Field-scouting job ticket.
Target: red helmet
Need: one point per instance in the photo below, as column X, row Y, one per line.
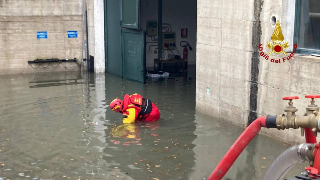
column 116, row 105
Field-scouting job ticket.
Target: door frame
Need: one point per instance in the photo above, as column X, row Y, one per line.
column 106, row 39
column 105, row 35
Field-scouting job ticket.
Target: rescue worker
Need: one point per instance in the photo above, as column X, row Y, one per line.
column 135, row 108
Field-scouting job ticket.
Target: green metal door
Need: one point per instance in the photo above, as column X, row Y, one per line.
column 133, row 42
column 113, row 37
column 133, row 50
column 125, row 44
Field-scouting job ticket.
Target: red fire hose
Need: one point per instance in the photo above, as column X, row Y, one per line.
column 251, row 131
column 310, row 138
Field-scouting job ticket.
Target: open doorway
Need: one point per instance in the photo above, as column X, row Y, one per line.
column 179, row 30
column 137, row 46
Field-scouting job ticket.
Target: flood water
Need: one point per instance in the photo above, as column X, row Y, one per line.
column 59, row 126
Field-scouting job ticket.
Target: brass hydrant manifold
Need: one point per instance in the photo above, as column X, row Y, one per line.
column 291, row 120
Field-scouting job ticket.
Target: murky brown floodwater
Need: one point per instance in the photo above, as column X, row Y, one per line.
column 59, row 126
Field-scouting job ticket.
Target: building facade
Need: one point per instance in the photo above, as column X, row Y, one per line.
column 234, row 82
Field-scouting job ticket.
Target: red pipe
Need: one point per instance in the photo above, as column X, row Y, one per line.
column 236, row 149
column 310, row 138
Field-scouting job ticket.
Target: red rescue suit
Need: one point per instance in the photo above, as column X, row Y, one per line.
column 136, row 108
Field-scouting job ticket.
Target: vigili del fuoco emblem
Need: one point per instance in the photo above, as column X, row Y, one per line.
column 277, row 46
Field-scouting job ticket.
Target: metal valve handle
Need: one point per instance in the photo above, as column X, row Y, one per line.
column 313, row 96
column 290, row 97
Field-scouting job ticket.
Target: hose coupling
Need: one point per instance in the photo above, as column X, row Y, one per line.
column 305, row 151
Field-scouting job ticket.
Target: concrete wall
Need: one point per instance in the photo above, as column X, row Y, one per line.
column 223, row 58
column 95, row 12
column 19, row 22
column 91, row 35
column 242, row 84
column 178, row 13
column 100, row 60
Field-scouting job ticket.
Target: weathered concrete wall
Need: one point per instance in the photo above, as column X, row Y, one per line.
column 19, row 22
column 224, row 53
column 91, row 37
column 298, row 76
column 242, row 84
column 100, row 61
